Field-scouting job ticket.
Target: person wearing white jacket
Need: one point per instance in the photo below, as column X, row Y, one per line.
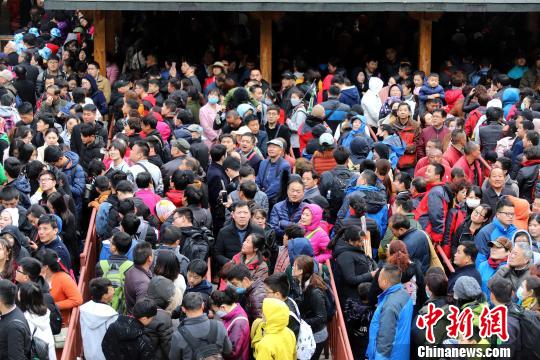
column 371, row 102
column 96, row 316
column 37, row 315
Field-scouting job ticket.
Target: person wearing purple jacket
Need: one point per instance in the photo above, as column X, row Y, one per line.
column 226, row 308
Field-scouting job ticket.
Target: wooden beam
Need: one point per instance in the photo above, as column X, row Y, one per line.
column 424, row 46
column 100, row 47
column 266, row 47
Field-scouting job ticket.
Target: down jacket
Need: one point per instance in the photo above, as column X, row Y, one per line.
column 317, row 236
column 126, row 339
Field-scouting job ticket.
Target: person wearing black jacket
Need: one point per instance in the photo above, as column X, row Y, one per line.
column 14, row 330
column 29, row 269
column 198, row 148
column 527, row 176
column 25, row 88
column 89, row 116
column 93, row 146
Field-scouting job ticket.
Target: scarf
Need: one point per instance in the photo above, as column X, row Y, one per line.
column 494, row 264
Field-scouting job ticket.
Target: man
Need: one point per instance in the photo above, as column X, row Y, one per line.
column 120, row 245
column 198, row 332
column 335, row 111
column 14, row 330
column 499, row 250
column 89, row 116
column 416, row 240
column 17, row 181
column 389, row 331
column 127, row 337
column 271, row 171
column 231, row 237
column 437, row 130
column 32, row 71
column 93, row 146
column 506, row 165
column 348, row 93
column 139, row 156
column 402, row 205
column 432, row 210
column 502, row 225
column 195, row 241
column 217, row 185
column 138, row 277
column 517, row 269
column 96, row 317
column 252, row 122
column 154, row 91
column 470, row 163
column 424, row 161
column 188, row 69
column 233, row 122
column 288, row 82
column 256, row 75
column 247, row 175
column 179, row 151
column 464, row 259
column 435, row 156
column 102, row 82
column 49, row 239
column 170, row 240
column 277, row 286
column 240, row 279
column 274, row 129
column 496, row 188
column 527, row 176
column 491, row 131
column 247, row 150
column 68, row 163
column 53, row 104
column 335, row 182
column 454, row 152
column 198, row 148
column 310, row 178
column 141, row 89
column 53, row 70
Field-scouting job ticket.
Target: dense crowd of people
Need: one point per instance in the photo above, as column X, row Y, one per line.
column 418, row 190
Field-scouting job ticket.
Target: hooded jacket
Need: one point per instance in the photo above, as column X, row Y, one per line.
column 96, row 95
column 349, row 96
column 418, row 247
column 527, row 179
column 237, row 325
column 76, row 178
column 95, row 320
column 352, row 269
column 451, row 97
column 375, row 201
column 19, row 238
column 489, row 233
column 126, row 339
column 532, row 244
column 94, row 150
column 371, row 102
column 317, row 236
column 23, row 187
column 272, row 339
column 432, row 210
column 510, row 96
column 283, row 214
column 42, row 328
column 335, row 110
column 360, row 147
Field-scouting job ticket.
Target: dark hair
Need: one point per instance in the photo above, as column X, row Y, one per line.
column 198, row 267
column 122, row 242
column 130, row 224
column 192, row 301
column 144, row 308
column 186, row 213
column 9, row 193
column 439, row 169
column 143, row 180
column 246, row 171
column 99, row 287
column 12, row 166
column 469, row 248
column 193, row 195
column 88, row 129
column 341, row 155
column 406, row 204
column 232, row 163
column 294, row 231
column 167, row 264
column 31, row 267
column 170, row 235
column 227, row 297
column 405, row 179
column 353, row 233
column 502, row 203
column 239, row 272
column 59, row 205
column 182, row 178
column 393, row 273
column 400, row 221
column 52, row 154
column 8, row 292
column 369, row 176
column 249, row 189
column 501, row 288
column 141, row 252
column 307, row 265
column 50, row 258
column 217, row 152
column 124, row 186
column 437, row 283
column 150, row 121
column 144, row 147
column 278, row 282
column 102, row 183
column 494, row 114
column 48, row 220
column 240, row 204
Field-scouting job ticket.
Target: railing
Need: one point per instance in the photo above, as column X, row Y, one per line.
column 338, row 338
column 73, row 346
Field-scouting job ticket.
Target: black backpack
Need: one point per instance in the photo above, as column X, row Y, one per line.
column 529, row 324
column 336, row 192
column 198, row 245
column 205, row 348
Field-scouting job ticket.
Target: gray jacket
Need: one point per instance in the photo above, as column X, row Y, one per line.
column 260, row 199
column 198, row 327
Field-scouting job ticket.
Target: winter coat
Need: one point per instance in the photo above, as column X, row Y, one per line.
column 335, row 111
column 95, row 319
column 75, row 178
column 527, row 179
column 510, row 96
column 427, row 90
column 269, row 177
column 352, row 268
column 76, row 141
column 312, row 305
column 237, row 325
column 489, row 135
column 135, row 285
column 96, row 95
column 349, row 96
column 146, row 166
column 160, row 331
column 371, row 226
column 207, row 115
column 390, row 328
column 14, row 336
column 253, row 300
column 489, row 233
column 452, row 155
column 474, row 173
column 95, row 150
column 411, row 135
column 430, row 133
column 451, row 97
column 228, row 242
column 467, row 270
column 295, row 122
column 486, row 273
column 376, row 204
column 516, row 277
column 418, row 247
column 432, row 210
column 272, row 339
column 283, row 214
column 490, row 197
column 317, row 236
column 200, row 151
column 150, row 198
column 65, row 293
column 42, row 327
column 371, row 101
column 217, row 181
column 126, row 339
column 257, row 267
column 360, row 147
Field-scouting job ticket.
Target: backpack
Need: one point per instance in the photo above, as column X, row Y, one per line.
column 55, row 319
column 198, row 245
column 336, row 192
column 529, row 324
column 205, row 348
column 305, row 343
column 39, row 349
column 117, row 275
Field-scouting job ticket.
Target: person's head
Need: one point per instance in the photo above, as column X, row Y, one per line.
column 193, row 195
column 193, row 304
column 530, row 288
column 418, row 185
column 275, row 148
column 500, row 248
column 481, row 214
column 402, row 182
column 521, row 255
column 530, row 141
column 120, row 243
column 534, row 226
column 310, row 178
column 253, row 244
column 217, row 153
column 183, row 217
column 247, row 190
column 222, row 302
column 433, row 80
column 47, row 228
column 101, row 290
column 367, row 177
column 8, row 294
column 293, row 231
column 304, row 271
column 241, row 214
column 341, row 155
column 117, row 150
column 226, row 140
column 439, row 117
column 180, row 179
column 124, row 190
column 140, row 151
column 434, row 173
column 167, row 265
column 465, row 254
column 277, row 286
column 400, row 224
column 436, row 283
column 9, row 197
column 497, row 179
column 231, row 165
column 29, row 269
column 196, row 272
column 143, row 254
column 505, row 212
column 239, row 278
column 295, row 190
column 500, row 290
column 259, row 217
column 144, row 311
column 389, row 276
column 272, row 114
column 89, row 113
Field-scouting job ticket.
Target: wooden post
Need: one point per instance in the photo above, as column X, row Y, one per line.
column 100, row 48
column 424, row 48
column 266, row 47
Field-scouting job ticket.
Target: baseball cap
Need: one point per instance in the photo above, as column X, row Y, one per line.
column 326, row 139
column 243, row 130
column 501, row 242
column 276, row 142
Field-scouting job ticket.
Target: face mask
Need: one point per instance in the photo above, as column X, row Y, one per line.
column 295, row 102
column 428, row 293
column 472, row 203
column 268, row 102
column 522, row 106
column 240, row 290
column 213, row 100
column 220, row 313
column 519, row 293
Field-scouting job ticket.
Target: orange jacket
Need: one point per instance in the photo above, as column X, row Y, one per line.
column 65, row 293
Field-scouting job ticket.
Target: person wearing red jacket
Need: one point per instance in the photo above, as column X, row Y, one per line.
column 432, row 210
column 455, row 149
column 435, row 156
column 470, row 163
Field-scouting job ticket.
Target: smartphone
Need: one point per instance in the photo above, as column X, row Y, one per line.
column 223, row 196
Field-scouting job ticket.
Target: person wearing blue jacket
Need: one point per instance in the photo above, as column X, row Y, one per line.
column 499, row 250
column 416, row 241
column 271, row 171
column 390, row 328
column 288, row 211
column 502, row 225
column 349, row 94
column 334, row 110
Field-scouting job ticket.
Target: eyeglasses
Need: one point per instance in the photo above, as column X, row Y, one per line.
column 45, row 180
column 477, row 212
column 21, row 272
column 507, row 214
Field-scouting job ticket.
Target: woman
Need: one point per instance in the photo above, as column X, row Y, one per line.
column 207, row 115
column 70, row 124
column 474, row 198
column 310, row 220
column 63, row 288
column 470, row 227
column 51, row 138
column 7, row 265
column 253, row 254
column 56, row 203
column 352, row 265
column 259, row 217
column 116, row 153
column 312, row 303
column 296, row 120
column 457, row 214
column 89, row 84
column 528, row 293
column 30, row 301
column 6, row 218
column 534, row 231
column 411, row 274
column 167, row 265
column 226, row 308
column 17, row 241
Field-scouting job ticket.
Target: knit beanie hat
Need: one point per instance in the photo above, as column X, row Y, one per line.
column 466, row 287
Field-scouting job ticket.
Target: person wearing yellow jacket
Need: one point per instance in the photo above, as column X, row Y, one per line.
column 270, row 336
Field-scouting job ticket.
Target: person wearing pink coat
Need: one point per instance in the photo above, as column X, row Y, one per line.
column 310, row 220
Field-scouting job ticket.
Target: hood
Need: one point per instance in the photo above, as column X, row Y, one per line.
column 96, row 315
column 342, row 247
column 509, row 97
column 73, row 159
column 299, row 246
column 400, row 90
column 42, row 322
column 396, row 144
column 203, row 287
column 360, row 146
column 317, row 213
column 93, row 83
column 176, row 196
column 520, row 233
column 17, row 234
column 276, row 313
column 22, row 184
column 375, row 84
column 375, row 197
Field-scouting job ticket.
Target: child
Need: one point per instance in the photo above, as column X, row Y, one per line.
column 103, row 188
column 357, row 319
column 431, row 90
column 291, row 232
